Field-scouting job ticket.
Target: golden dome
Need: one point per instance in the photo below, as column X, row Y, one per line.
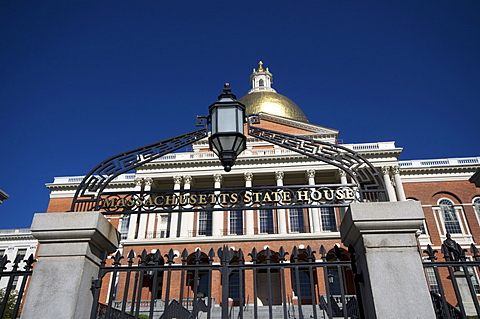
column 272, row 103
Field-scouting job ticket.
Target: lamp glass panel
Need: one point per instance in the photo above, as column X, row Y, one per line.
column 214, row 121
column 227, row 142
column 227, row 119
column 240, row 117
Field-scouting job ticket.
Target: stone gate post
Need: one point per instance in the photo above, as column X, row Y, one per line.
column 71, row 245
column 383, row 235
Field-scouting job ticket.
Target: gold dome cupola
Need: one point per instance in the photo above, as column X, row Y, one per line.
column 262, row 98
column 261, row 80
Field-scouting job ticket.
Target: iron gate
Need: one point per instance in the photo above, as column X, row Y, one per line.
column 227, row 284
column 454, row 283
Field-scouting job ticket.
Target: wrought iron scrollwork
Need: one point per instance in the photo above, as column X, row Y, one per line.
column 88, row 194
column 370, row 182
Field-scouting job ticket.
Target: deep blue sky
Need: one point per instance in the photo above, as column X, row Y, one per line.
column 81, row 81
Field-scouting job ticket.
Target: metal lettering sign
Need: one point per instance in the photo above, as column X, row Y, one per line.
column 230, row 199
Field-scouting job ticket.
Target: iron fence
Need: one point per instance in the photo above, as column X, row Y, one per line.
column 13, row 281
column 454, row 282
column 228, row 284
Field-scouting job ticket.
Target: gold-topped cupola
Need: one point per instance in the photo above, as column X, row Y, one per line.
column 261, row 79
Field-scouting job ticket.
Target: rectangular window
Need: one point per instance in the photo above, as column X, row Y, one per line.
column 266, row 221
column 236, row 222
column 329, row 223
column 432, row 280
column 205, row 223
column 125, row 225
column 297, row 221
column 21, row 254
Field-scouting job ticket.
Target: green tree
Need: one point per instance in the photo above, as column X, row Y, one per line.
column 12, row 299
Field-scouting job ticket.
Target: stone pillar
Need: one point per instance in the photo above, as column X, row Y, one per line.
column 187, row 217
column 132, row 229
column 71, row 246
column 398, row 183
column 388, row 183
column 177, row 181
column 282, row 220
column 383, row 235
column 217, row 216
column 249, row 222
column 313, row 213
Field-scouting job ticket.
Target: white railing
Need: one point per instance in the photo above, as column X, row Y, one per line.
column 15, row 231
column 78, row 179
column 441, row 162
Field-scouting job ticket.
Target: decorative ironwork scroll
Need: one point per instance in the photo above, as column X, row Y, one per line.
column 88, row 194
column 369, row 181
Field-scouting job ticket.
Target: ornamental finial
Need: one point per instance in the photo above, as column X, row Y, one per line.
column 260, row 67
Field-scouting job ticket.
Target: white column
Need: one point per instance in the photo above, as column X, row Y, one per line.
column 343, row 176
column 132, row 228
column 142, row 224
column 217, row 216
column 177, row 180
column 152, row 216
column 398, row 183
column 388, row 183
column 249, row 222
column 186, row 223
column 282, row 221
column 343, row 181
column 313, row 213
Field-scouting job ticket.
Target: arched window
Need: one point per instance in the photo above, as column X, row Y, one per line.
column 476, row 205
column 450, row 217
column 261, row 82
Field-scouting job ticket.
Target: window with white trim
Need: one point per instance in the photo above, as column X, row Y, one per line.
column 266, row 221
column 329, row 222
column 297, row 221
column 476, row 206
column 236, row 222
column 124, row 226
column 449, row 216
column 205, row 223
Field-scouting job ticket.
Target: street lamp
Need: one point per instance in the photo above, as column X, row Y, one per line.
column 227, row 117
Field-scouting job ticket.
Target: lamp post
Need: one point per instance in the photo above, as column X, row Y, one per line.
column 227, row 117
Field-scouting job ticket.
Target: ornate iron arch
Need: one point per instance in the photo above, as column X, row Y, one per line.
column 370, row 184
